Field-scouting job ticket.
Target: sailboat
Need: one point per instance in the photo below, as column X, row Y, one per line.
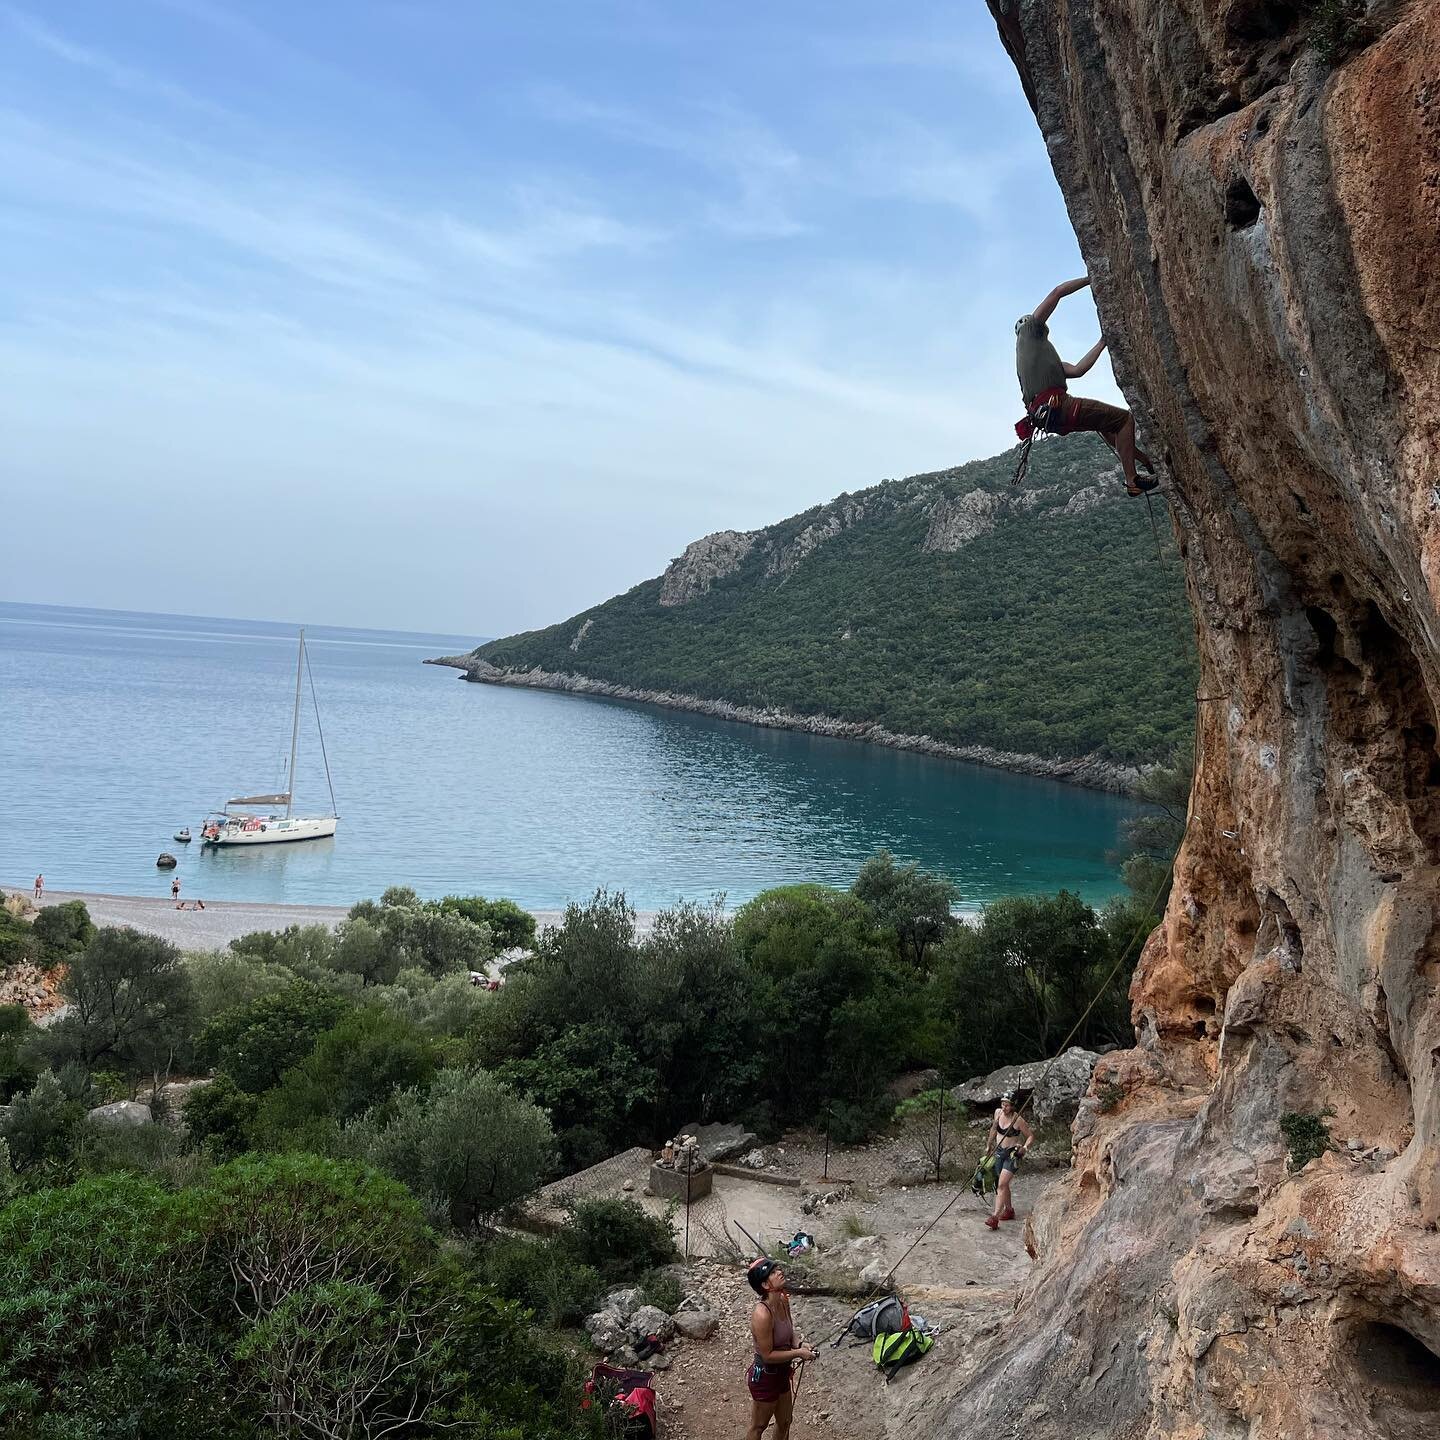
column 257, row 819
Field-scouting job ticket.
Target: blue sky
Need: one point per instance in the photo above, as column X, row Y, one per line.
column 465, row 316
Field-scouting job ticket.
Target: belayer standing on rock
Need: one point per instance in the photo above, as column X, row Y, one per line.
column 1049, row 405
column 1007, row 1149
column 776, row 1351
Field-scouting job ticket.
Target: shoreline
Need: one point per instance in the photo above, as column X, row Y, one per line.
column 1092, row 771
column 222, row 921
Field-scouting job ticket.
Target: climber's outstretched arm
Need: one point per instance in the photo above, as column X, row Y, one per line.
column 1046, row 308
column 1085, row 362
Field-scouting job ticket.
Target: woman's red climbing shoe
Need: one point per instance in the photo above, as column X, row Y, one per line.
column 1143, row 485
column 1008, row 1213
column 991, row 1222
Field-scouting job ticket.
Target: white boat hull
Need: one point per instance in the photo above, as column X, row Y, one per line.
column 276, row 830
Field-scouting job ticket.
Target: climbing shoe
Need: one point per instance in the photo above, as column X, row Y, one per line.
column 1143, row 485
column 1008, row 1213
column 991, row 1223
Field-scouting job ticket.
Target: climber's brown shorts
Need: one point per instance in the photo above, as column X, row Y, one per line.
column 1094, row 415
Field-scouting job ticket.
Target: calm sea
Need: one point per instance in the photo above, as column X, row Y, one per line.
column 116, row 729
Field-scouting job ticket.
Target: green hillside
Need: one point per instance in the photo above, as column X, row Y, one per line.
column 949, row 605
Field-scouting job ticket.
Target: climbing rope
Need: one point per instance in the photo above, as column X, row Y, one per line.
column 1144, row 928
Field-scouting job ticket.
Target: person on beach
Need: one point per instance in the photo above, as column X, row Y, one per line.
column 1007, row 1125
column 39, row 886
column 776, row 1351
column 175, row 891
column 1049, row 405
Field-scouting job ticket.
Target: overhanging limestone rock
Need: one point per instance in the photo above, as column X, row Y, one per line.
column 1260, row 229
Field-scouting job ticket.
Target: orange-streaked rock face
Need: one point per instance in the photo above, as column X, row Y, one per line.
column 1263, row 236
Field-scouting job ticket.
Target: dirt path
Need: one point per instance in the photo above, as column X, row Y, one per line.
column 963, row 1279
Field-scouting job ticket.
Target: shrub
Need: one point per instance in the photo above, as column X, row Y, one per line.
column 367, row 1056
column 543, row 1275
column 224, row 980
column 511, row 927
column 256, row 1043
column 468, row 1145
column 62, row 931
column 218, row 1117
column 617, row 1238
column 18, row 1069
column 1307, row 1136
column 40, row 1127
column 663, row 1290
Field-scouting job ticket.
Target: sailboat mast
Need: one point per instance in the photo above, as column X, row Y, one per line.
column 295, row 726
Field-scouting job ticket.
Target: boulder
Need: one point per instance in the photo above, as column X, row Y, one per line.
column 607, row 1331
column 719, row 1142
column 651, row 1320
column 875, row 1271
column 166, row 861
column 121, row 1114
column 695, row 1324
column 1058, row 1095
column 626, row 1301
column 986, row 1090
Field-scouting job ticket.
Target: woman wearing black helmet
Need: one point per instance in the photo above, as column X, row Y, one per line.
column 775, row 1351
column 1007, row 1125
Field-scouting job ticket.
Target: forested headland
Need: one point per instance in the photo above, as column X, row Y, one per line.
column 948, row 605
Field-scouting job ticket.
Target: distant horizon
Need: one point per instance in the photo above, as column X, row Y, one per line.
column 278, row 623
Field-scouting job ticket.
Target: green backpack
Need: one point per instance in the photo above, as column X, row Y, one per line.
column 890, row 1352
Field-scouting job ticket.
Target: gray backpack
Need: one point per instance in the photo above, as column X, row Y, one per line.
column 886, row 1316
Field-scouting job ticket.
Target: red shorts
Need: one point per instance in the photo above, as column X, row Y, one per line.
column 767, row 1386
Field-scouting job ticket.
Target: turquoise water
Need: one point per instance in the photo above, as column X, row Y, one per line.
column 116, row 729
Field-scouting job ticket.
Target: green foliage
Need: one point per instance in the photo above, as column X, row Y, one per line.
column 617, row 1239
column 912, row 904
column 1153, row 836
column 1336, row 27
column 218, row 1117
column 279, row 1295
column 542, row 1275
column 224, row 980
column 511, row 927
column 1307, row 1136
column 256, row 1043
column 131, row 1006
column 19, row 944
column 420, row 935
column 62, row 931
column 663, row 1290
column 40, row 1127
column 367, row 1056
column 18, row 1067
column 1024, row 639
column 467, row 1145
column 591, row 1083
column 833, row 1010
column 1011, row 986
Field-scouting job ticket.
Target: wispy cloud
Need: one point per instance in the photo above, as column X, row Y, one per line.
column 714, row 138
column 114, row 72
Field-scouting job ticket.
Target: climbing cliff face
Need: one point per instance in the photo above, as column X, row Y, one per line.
column 1256, row 188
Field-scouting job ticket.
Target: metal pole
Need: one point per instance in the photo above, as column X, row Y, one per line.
column 295, row 725
column 940, row 1136
column 825, row 1173
column 688, row 1183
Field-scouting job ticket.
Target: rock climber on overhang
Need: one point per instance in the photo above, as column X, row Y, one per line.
column 1052, row 409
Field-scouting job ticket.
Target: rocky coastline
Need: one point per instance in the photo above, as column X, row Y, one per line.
column 1093, row 771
